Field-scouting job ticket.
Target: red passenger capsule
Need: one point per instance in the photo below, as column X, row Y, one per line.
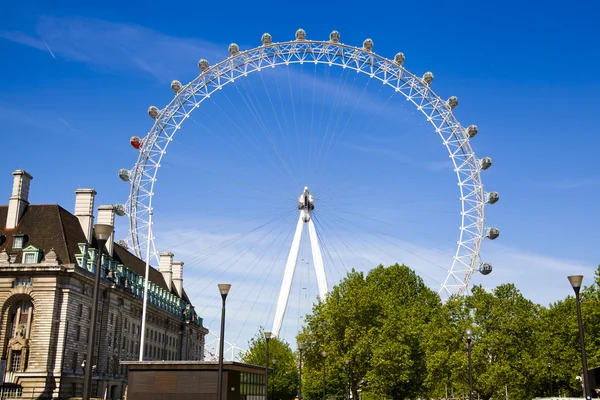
column 136, row 142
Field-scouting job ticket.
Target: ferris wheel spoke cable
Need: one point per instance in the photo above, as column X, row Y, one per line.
column 248, row 271
column 427, row 235
column 327, row 246
column 243, row 132
column 241, row 150
column 257, row 119
column 294, row 115
column 267, row 135
column 265, row 280
column 380, row 250
column 222, row 139
column 236, row 258
column 205, row 254
column 198, row 257
column 331, row 148
column 333, row 113
column 323, row 140
column 320, row 114
column 276, row 115
column 312, row 117
column 222, row 227
column 385, row 221
column 283, row 114
column 386, row 240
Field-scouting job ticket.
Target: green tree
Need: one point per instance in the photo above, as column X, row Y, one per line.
column 506, row 350
column 283, row 377
column 380, row 324
column 561, row 338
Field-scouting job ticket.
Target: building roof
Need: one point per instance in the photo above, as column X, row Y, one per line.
column 49, row 226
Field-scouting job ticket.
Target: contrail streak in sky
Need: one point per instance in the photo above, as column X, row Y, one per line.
column 48, row 47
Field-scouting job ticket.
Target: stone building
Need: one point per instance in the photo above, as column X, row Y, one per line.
column 47, row 263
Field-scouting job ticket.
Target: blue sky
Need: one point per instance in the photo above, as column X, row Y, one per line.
column 75, row 83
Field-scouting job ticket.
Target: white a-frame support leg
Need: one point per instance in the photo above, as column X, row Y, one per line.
column 306, row 206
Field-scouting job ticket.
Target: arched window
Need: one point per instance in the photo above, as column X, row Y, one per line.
column 20, row 321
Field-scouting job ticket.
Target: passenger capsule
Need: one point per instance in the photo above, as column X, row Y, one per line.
column 123, row 244
column 493, row 197
column 368, row 45
column 153, row 112
column 472, row 131
column 120, row 209
column 300, row 34
column 203, row 65
column 266, row 39
column 124, row 174
column 428, row 78
column 399, row 58
column 485, row 163
column 334, row 37
column 485, row 269
column 136, row 142
column 176, row 86
column 492, row 233
column 233, row 49
column 452, row 102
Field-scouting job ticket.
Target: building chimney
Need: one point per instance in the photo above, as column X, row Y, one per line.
column 19, row 200
column 178, row 277
column 106, row 215
column 165, row 267
column 84, row 211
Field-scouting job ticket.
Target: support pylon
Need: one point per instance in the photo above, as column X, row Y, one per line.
column 306, row 205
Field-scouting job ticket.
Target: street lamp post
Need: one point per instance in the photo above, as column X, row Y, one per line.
column 267, row 337
column 324, row 354
column 102, row 233
column 300, row 373
column 469, row 338
column 576, row 281
column 224, row 289
column 347, row 362
column 550, row 376
column 273, row 396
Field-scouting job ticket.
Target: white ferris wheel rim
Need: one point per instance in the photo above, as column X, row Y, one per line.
column 437, row 111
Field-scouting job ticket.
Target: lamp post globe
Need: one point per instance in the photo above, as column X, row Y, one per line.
column 576, row 281
column 224, row 290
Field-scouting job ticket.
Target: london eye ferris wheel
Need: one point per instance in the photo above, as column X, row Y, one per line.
column 305, row 112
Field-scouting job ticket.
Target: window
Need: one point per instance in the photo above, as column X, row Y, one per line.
column 77, row 333
column 12, row 258
column 30, row 258
column 74, row 362
column 11, row 391
column 15, row 364
column 79, row 310
column 18, row 242
column 22, row 282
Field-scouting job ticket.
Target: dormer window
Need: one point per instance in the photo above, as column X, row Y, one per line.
column 18, row 241
column 31, row 255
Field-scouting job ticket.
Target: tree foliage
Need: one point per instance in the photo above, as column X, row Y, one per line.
column 378, row 323
column 283, row 375
column 401, row 342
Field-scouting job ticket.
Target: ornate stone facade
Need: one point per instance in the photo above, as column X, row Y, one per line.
column 47, row 264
